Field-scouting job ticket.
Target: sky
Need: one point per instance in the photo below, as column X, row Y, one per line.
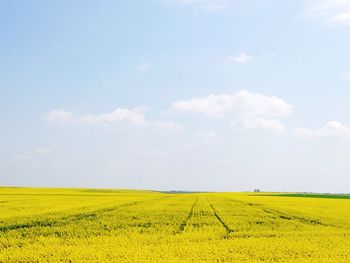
column 200, row 95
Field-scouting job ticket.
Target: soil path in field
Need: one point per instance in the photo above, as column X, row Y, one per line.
column 228, row 229
column 188, row 218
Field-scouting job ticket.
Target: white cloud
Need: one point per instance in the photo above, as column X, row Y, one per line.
column 42, row 151
column 60, row 116
column 119, row 115
column 33, row 156
column 208, row 5
column 330, row 129
column 248, row 110
column 166, row 126
column 152, row 155
column 240, row 58
column 213, row 105
column 143, row 67
column 226, row 162
column 241, row 103
column 21, row 157
column 208, row 137
column 117, row 118
column 259, row 123
column 335, row 12
column 342, row 18
column 346, row 76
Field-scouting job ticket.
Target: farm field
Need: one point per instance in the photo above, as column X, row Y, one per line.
column 91, row 225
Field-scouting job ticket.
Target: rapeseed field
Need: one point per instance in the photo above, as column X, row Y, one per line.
column 87, row 225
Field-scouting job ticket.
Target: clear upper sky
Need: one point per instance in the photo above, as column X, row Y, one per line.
column 176, row 94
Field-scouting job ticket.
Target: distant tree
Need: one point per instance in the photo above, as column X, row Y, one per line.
column 257, row 190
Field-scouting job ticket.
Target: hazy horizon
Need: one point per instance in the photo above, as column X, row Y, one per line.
column 192, row 95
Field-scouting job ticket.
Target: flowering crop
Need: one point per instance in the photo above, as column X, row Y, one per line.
column 86, row 225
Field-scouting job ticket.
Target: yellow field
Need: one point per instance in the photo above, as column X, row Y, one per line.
column 81, row 225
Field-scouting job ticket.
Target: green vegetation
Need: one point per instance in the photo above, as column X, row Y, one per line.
column 312, row 195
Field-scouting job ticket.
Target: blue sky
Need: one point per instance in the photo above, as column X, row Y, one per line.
column 219, row 95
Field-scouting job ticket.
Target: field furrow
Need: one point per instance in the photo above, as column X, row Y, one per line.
column 187, row 219
column 228, row 229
